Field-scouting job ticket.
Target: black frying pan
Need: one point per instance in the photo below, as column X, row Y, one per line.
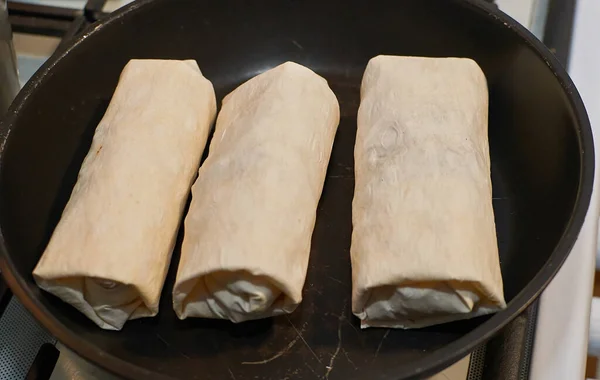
column 542, row 169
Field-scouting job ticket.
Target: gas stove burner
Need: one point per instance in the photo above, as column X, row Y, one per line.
column 28, row 348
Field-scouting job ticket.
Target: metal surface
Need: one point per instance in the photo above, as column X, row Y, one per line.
column 477, row 363
column 51, row 20
column 71, row 366
column 9, row 81
column 532, row 102
column 44, row 363
column 507, row 356
column 20, row 339
column 47, row 20
column 560, row 346
column 559, row 28
column 5, row 295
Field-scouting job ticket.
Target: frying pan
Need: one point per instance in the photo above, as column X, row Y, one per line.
column 542, row 169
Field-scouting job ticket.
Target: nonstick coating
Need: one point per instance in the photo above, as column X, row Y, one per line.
column 542, row 169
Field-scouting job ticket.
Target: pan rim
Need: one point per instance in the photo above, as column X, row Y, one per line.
column 427, row 366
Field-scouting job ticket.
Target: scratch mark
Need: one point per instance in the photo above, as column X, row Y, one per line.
column 280, row 353
column 297, row 45
column 232, row 375
column 169, row 345
column 346, row 176
column 500, row 198
column 381, row 343
column 338, row 348
column 351, row 325
column 163, row 340
column 336, row 280
column 288, row 374
column 348, row 358
column 311, row 370
column 184, row 355
column 341, row 319
column 315, row 289
column 303, row 340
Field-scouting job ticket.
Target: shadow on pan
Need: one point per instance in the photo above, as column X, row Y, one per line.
column 542, row 168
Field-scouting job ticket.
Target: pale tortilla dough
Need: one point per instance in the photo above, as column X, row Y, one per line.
column 424, row 247
column 110, row 252
column 248, row 232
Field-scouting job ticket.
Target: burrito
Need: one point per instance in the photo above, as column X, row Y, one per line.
column 424, row 247
column 248, row 231
column 110, row 252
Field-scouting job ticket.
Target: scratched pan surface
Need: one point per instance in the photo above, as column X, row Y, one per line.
column 542, row 165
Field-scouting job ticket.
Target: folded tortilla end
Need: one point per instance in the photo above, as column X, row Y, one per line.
column 424, row 304
column 234, row 295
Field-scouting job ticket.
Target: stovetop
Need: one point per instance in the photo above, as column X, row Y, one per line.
column 28, row 351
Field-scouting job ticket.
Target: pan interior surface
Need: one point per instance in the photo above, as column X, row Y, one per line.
column 536, row 169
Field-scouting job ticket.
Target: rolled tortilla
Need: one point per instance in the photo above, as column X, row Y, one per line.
column 248, row 231
column 111, row 249
column 424, row 247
